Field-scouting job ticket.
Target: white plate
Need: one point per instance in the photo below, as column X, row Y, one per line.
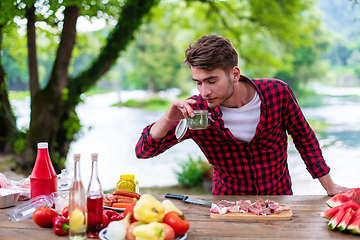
column 114, row 208
column 102, row 235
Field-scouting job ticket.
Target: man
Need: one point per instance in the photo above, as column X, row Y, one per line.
column 247, row 142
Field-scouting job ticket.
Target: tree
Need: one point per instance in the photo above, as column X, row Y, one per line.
column 252, row 25
column 53, row 114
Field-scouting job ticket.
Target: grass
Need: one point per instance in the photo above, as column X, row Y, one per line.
column 19, row 95
column 152, row 104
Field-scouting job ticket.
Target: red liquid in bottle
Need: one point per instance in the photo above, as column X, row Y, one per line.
column 43, row 179
column 94, row 215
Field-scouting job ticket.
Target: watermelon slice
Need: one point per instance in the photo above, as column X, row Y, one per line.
column 336, row 219
column 346, row 219
column 338, row 199
column 354, row 224
column 332, row 211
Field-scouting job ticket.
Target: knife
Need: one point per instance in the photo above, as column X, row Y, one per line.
column 186, row 199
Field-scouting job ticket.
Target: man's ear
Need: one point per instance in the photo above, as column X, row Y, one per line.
column 235, row 73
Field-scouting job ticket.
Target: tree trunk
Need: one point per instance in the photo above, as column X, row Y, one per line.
column 47, row 105
column 32, row 58
column 129, row 21
column 7, row 120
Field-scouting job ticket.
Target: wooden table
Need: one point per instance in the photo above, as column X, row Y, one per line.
column 306, row 222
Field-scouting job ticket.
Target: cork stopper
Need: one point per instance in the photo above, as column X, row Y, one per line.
column 77, row 157
column 94, row 157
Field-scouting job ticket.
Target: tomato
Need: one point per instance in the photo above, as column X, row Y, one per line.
column 128, row 209
column 129, row 231
column 65, row 212
column 178, row 222
column 106, row 220
column 169, row 232
column 43, row 216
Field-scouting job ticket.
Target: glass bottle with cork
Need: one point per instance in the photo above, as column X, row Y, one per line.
column 43, row 178
column 127, row 182
column 77, row 202
column 94, row 201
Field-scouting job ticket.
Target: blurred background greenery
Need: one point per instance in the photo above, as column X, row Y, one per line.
column 298, row 41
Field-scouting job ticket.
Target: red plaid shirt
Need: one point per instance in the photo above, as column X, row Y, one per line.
column 260, row 166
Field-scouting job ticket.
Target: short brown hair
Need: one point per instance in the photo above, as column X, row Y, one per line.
column 211, row 52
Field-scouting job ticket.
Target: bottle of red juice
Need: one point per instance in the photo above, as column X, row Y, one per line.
column 43, row 178
column 94, row 201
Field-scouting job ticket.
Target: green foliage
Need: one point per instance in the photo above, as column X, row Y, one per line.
column 18, row 95
column 152, row 104
column 192, row 172
column 72, row 125
column 19, row 141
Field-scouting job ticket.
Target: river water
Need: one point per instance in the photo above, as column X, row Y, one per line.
column 113, row 133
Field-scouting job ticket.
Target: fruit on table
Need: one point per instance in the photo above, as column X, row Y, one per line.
column 335, row 220
column 338, row 199
column 43, row 216
column 332, row 211
column 77, row 221
column 148, row 209
column 354, row 224
column 344, row 216
column 346, row 219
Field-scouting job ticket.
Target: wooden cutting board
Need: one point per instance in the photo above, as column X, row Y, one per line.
column 282, row 216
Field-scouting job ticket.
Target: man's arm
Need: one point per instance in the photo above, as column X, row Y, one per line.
column 177, row 111
column 330, row 187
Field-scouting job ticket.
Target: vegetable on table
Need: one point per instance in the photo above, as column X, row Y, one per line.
column 129, row 232
column 113, row 216
column 130, row 209
column 169, row 206
column 60, row 225
column 148, row 209
column 169, row 232
column 178, row 222
column 65, row 212
column 116, row 231
column 43, row 216
column 151, row 231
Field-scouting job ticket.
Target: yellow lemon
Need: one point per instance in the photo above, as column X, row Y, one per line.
column 76, row 221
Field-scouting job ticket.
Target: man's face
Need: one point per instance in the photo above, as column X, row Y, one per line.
column 215, row 86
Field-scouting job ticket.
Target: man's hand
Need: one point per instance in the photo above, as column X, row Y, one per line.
column 180, row 109
column 332, row 188
column 336, row 189
column 177, row 111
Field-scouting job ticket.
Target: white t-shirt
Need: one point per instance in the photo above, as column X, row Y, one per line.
column 242, row 122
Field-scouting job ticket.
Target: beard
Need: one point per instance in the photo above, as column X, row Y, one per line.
column 229, row 91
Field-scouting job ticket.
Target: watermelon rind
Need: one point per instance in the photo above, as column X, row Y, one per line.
column 346, row 219
column 354, row 224
column 328, row 214
column 341, row 198
column 336, row 219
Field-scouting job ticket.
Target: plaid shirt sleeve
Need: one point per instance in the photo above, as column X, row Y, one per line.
column 148, row 147
column 304, row 138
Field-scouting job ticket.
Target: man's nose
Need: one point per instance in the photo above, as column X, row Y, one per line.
column 205, row 90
